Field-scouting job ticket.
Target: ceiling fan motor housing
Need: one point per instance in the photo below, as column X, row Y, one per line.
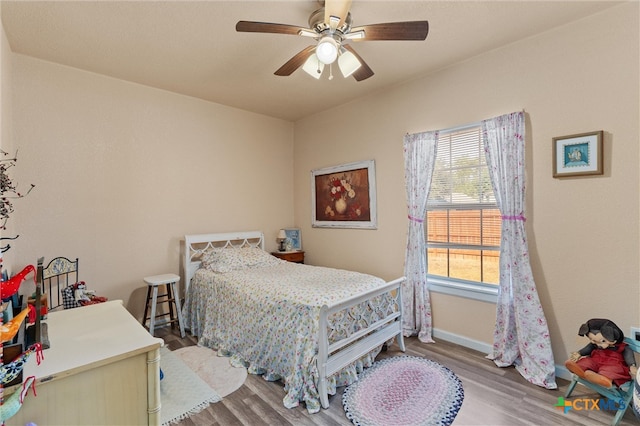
column 316, row 21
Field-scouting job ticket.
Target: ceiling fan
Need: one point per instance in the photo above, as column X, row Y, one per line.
column 331, row 27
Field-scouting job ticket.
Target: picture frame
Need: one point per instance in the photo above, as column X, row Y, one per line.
column 344, row 196
column 294, row 238
column 578, row 155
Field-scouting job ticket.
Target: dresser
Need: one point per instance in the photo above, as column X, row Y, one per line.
column 102, row 367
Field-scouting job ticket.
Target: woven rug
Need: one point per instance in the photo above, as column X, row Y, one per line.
column 404, row 390
column 182, row 392
column 214, row 370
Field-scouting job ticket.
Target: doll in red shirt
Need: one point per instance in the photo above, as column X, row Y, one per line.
column 606, row 359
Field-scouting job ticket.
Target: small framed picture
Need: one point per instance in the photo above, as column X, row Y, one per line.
column 577, row 155
column 294, row 239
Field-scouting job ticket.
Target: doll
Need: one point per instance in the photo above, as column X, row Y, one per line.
column 607, row 359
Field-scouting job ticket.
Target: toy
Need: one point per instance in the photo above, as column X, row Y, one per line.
column 606, row 360
column 10, row 287
column 12, row 405
column 8, row 372
column 11, row 328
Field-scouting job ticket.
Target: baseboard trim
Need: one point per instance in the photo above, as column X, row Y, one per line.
column 462, row 341
column 560, row 370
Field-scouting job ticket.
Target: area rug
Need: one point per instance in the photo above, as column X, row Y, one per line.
column 214, row 370
column 182, row 392
column 404, row 390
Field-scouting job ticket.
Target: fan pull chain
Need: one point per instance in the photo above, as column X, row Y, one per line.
column 330, row 71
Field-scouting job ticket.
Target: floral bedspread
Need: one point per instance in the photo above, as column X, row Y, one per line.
column 267, row 317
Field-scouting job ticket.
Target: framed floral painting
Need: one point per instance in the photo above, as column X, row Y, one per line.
column 344, row 196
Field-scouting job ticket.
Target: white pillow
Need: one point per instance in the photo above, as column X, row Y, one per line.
column 232, row 259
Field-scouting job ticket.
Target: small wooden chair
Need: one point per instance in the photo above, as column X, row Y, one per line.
column 58, row 274
column 621, row 395
column 636, row 396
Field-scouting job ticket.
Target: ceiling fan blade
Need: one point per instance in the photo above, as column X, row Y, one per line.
column 410, row 30
column 364, row 71
column 268, row 27
column 337, row 9
column 296, row 62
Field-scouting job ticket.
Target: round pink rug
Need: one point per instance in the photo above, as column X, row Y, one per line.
column 404, row 390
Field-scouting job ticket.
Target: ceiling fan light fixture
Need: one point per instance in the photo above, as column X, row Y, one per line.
column 313, row 67
column 348, row 63
column 327, row 50
column 330, row 27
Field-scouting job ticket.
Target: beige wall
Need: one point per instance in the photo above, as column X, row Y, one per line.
column 583, row 233
column 124, row 171
column 6, row 124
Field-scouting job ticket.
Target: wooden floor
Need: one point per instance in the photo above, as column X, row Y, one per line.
column 493, row 396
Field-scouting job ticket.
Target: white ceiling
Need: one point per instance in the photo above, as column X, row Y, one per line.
column 191, row 47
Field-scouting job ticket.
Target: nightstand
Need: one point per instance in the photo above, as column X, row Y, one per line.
column 290, row 256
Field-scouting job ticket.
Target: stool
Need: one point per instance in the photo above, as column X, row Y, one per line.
column 170, row 297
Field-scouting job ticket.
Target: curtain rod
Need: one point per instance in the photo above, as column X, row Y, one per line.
column 453, row 129
column 461, row 127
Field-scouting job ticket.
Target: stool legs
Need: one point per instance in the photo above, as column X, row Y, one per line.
column 146, row 307
column 171, row 299
column 154, row 301
column 178, row 309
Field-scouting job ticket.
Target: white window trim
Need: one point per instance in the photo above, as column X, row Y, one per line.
column 456, row 287
column 453, row 287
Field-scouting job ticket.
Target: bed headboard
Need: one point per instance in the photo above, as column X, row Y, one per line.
column 195, row 245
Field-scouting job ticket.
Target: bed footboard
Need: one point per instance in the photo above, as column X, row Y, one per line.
column 333, row 357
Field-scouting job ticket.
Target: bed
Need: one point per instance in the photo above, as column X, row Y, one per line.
column 312, row 327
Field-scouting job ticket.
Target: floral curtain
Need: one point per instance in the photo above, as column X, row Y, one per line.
column 521, row 335
column 419, row 162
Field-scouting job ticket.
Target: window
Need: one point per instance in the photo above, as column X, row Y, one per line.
column 463, row 221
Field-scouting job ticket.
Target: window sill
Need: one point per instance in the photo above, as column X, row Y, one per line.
column 462, row 289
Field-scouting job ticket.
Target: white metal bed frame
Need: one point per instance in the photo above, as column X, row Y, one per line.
column 332, row 357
